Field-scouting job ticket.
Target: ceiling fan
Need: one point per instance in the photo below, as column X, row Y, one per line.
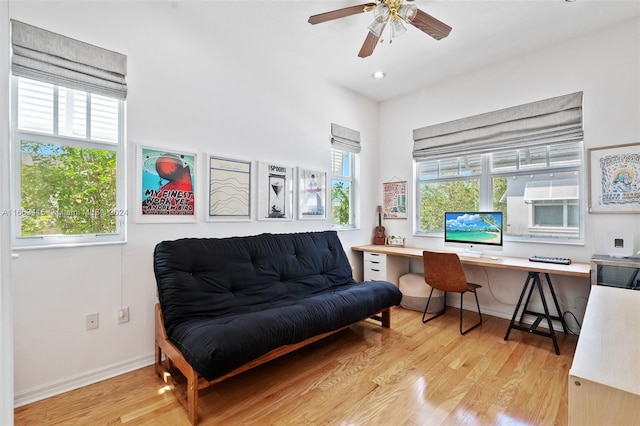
column 392, row 12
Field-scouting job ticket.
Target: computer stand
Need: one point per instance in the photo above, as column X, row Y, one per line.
column 472, row 253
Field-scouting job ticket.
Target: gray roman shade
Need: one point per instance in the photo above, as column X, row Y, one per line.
column 41, row 55
column 345, row 139
column 538, row 123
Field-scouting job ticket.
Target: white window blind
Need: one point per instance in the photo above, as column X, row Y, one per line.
column 345, row 139
column 49, row 109
column 538, row 123
column 45, row 56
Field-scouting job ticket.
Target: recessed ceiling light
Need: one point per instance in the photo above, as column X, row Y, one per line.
column 378, row 75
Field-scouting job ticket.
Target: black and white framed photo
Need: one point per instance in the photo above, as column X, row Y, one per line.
column 312, row 194
column 229, row 189
column 275, row 191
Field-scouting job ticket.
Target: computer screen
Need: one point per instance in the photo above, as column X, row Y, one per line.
column 472, row 228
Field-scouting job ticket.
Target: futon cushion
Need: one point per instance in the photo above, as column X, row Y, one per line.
column 217, row 346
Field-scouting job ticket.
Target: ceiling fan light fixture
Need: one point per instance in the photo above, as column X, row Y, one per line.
column 407, row 12
column 397, row 28
column 377, row 26
column 381, row 11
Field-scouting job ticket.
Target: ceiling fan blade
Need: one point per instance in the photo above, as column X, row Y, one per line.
column 339, row 13
column 430, row 25
column 369, row 45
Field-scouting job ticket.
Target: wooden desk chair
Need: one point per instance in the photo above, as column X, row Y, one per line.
column 443, row 271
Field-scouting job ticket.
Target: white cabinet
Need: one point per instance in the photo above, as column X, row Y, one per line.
column 604, row 379
column 380, row 267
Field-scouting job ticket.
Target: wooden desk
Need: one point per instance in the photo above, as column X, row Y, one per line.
column 604, row 379
column 533, row 282
column 582, row 270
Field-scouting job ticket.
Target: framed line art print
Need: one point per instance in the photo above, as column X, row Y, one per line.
column 166, row 185
column 275, row 191
column 312, row 194
column 614, row 179
column 229, row 189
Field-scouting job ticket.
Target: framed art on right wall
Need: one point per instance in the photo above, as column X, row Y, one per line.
column 614, row 179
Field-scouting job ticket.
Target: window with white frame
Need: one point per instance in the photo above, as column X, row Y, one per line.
column 68, row 180
column 345, row 147
column 538, row 197
column 67, row 140
column 529, row 167
column 342, row 188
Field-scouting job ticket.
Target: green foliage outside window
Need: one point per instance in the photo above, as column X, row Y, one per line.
column 499, row 197
column 456, row 196
column 340, row 203
column 67, row 190
column 453, row 196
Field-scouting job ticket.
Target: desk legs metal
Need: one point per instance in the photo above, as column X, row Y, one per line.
column 533, row 280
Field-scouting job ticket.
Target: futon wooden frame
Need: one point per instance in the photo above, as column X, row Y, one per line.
column 185, row 382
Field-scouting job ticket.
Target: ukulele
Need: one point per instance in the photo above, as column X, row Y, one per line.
column 378, row 235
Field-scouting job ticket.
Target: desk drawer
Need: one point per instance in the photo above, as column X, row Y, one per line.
column 375, row 257
column 375, row 266
column 375, row 273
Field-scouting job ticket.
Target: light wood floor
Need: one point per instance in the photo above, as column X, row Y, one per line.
column 411, row 374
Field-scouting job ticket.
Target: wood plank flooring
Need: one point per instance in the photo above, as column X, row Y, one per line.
column 411, row 374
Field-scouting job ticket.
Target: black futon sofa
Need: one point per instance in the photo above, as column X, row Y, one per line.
column 230, row 304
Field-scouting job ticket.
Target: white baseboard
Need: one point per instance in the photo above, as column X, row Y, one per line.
column 57, row 387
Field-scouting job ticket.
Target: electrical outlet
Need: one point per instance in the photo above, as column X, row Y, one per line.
column 92, row 321
column 123, row 315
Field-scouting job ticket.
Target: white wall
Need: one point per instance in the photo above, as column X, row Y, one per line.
column 190, row 90
column 187, row 89
column 6, row 308
column 605, row 65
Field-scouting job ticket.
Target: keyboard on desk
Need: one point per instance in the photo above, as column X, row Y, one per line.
column 551, row 259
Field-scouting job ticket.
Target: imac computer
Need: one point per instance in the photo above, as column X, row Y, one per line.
column 473, row 231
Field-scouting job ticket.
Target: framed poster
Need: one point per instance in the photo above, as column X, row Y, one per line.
column 275, row 192
column 229, row 189
column 614, row 179
column 312, row 194
column 394, row 200
column 165, row 185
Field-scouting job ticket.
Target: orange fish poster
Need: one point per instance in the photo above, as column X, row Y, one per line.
column 167, row 183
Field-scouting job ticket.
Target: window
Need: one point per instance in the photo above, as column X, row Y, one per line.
column 68, row 151
column 342, row 188
column 525, row 161
column 67, row 140
column 345, row 146
column 539, row 201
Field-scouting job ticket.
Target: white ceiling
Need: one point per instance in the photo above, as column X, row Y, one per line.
column 484, row 32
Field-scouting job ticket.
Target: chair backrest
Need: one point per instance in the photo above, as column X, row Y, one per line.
column 443, row 271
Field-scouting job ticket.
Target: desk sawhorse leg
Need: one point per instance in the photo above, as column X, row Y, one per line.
column 534, row 281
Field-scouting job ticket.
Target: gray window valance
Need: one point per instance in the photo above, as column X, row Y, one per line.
column 345, row 139
column 52, row 58
column 543, row 122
